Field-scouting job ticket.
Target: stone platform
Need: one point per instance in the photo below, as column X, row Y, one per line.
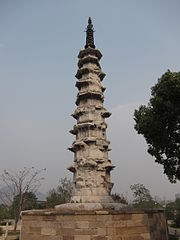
column 107, row 224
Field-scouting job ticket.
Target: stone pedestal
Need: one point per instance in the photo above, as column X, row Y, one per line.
column 64, row 224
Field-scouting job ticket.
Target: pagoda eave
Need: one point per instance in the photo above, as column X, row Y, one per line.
column 106, row 114
column 71, row 148
column 110, row 167
column 84, row 125
column 75, row 116
column 103, row 89
column 88, row 59
column 72, row 169
column 84, row 82
column 72, row 131
column 89, row 94
column 90, row 51
column 86, row 70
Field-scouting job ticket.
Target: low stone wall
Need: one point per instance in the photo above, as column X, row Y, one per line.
column 94, row 225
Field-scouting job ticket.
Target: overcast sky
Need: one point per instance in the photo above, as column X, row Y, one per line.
column 39, row 44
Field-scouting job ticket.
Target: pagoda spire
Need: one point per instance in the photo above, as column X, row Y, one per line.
column 91, row 167
column 90, row 34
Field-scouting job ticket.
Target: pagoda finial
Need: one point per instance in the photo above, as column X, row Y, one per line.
column 90, row 34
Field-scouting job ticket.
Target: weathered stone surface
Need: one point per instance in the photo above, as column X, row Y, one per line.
column 48, row 231
column 91, row 206
column 91, row 167
column 106, row 224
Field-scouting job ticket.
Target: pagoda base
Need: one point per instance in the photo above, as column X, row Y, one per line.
column 90, row 206
column 91, row 194
column 81, row 222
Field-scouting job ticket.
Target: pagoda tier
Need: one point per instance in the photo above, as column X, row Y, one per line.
column 91, row 167
column 81, row 110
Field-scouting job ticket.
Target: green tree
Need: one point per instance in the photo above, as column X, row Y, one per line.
column 119, row 198
column 173, row 212
column 142, row 197
column 177, row 219
column 5, row 212
column 62, row 194
column 29, row 201
column 159, row 123
column 18, row 183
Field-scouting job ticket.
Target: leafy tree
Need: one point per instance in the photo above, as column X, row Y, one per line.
column 119, row 198
column 5, row 212
column 141, row 193
column 142, row 197
column 62, row 194
column 159, row 123
column 18, row 183
column 177, row 219
column 29, row 202
column 53, row 199
column 173, row 212
column 41, row 204
column 170, row 210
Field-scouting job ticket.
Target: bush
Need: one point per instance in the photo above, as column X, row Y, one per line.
column 1, row 231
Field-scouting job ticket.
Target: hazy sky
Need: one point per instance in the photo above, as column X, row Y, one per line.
column 39, row 44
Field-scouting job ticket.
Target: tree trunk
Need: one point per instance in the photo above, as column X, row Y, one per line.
column 19, row 211
column 15, row 224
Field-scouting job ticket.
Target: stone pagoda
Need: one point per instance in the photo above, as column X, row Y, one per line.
column 91, row 167
column 92, row 214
